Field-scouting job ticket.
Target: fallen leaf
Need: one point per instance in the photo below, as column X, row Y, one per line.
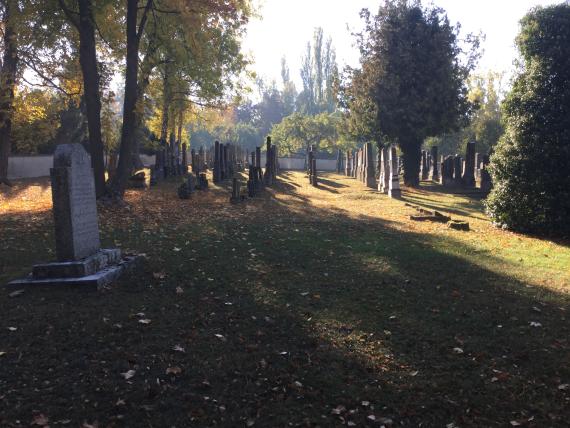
column 128, row 374
column 16, row 293
column 178, row 348
column 458, row 350
column 40, row 420
column 535, row 324
column 145, row 321
column 173, row 370
column 179, row 290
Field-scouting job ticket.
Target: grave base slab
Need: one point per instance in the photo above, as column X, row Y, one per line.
column 97, row 280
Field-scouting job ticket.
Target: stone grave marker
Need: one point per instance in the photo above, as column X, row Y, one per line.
column 80, row 259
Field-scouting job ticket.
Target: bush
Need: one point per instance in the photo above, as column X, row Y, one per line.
column 531, row 163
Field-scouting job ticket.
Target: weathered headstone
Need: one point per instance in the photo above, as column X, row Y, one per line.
column 394, row 190
column 348, row 164
column 434, row 168
column 370, row 172
column 385, row 177
column 80, row 259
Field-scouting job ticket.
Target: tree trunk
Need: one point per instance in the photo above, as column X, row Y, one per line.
column 7, row 84
column 180, row 118
column 119, row 183
column 88, row 61
column 412, row 158
column 165, row 104
column 147, row 66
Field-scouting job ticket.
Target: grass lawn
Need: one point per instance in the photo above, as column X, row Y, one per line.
column 303, row 307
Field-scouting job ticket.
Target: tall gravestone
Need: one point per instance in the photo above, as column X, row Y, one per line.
column 370, row 174
column 80, row 259
column 384, row 184
column 469, row 170
column 74, row 206
column 394, row 190
column 434, row 168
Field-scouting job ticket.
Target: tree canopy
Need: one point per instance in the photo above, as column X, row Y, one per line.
column 412, row 83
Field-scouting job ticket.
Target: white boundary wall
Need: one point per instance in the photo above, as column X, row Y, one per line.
column 298, row 164
column 39, row 165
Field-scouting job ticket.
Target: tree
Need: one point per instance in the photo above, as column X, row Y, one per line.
column 413, row 73
column 8, row 75
column 485, row 125
column 319, row 74
column 83, row 19
column 531, row 162
column 298, row 132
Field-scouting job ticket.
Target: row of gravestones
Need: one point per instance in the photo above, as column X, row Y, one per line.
column 459, row 172
column 454, row 170
column 360, row 165
column 257, row 178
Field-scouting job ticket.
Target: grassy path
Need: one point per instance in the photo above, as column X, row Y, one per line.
column 304, row 307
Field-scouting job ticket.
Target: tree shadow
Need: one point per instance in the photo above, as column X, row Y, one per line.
column 292, row 319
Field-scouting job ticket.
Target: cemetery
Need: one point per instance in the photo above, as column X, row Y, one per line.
column 347, row 264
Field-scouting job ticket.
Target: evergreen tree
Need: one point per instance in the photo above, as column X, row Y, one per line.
column 531, row 164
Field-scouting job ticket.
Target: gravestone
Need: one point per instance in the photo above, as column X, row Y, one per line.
column 469, row 170
column 370, row 172
column 74, row 206
column 424, row 169
column 348, row 164
column 486, row 183
column 458, row 170
column 384, row 184
column 394, row 190
column 217, row 174
column 434, row 169
column 80, row 259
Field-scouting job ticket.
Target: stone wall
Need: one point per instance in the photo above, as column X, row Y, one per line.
column 39, row 166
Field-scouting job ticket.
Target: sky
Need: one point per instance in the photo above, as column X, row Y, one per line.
column 286, row 26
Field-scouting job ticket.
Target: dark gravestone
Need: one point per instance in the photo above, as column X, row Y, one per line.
column 457, row 170
column 370, row 172
column 469, row 170
column 184, row 159
column 486, row 182
column 217, row 174
column 81, row 261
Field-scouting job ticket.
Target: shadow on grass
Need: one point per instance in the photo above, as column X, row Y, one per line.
column 291, row 319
